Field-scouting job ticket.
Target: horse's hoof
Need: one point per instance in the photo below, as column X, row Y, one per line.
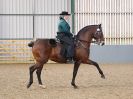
column 103, row 76
column 28, row 86
column 43, row 86
column 75, row 87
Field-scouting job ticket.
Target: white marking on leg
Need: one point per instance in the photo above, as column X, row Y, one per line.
column 43, row 86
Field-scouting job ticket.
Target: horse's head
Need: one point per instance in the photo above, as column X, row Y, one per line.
column 90, row 32
column 98, row 35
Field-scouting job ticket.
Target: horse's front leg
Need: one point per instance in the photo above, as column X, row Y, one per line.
column 75, row 70
column 97, row 66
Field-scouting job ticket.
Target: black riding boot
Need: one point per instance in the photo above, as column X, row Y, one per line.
column 70, row 54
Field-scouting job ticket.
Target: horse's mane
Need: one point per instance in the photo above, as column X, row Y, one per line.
column 84, row 29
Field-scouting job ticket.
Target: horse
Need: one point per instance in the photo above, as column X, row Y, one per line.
column 49, row 49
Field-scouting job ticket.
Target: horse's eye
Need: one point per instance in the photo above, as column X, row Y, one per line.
column 97, row 33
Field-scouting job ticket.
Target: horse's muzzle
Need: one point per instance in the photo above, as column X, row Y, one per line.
column 102, row 43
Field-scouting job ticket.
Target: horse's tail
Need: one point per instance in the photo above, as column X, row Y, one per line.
column 31, row 44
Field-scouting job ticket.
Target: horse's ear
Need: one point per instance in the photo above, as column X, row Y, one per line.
column 99, row 25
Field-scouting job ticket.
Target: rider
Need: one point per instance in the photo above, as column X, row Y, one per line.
column 65, row 36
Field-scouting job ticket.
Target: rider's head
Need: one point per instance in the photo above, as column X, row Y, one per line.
column 64, row 15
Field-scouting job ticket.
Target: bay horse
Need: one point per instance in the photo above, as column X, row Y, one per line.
column 45, row 49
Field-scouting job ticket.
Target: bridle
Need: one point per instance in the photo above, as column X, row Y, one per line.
column 97, row 34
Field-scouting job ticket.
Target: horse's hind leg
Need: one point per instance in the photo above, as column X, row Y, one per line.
column 31, row 70
column 38, row 72
column 97, row 66
column 75, row 70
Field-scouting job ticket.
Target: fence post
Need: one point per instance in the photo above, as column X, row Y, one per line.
column 73, row 17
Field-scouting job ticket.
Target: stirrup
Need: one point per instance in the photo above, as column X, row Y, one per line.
column 70, row 61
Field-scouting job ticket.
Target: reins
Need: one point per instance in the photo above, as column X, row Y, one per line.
column 87, row 42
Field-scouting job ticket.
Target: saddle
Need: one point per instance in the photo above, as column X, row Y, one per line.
column 67, row 44
column 53, row 43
